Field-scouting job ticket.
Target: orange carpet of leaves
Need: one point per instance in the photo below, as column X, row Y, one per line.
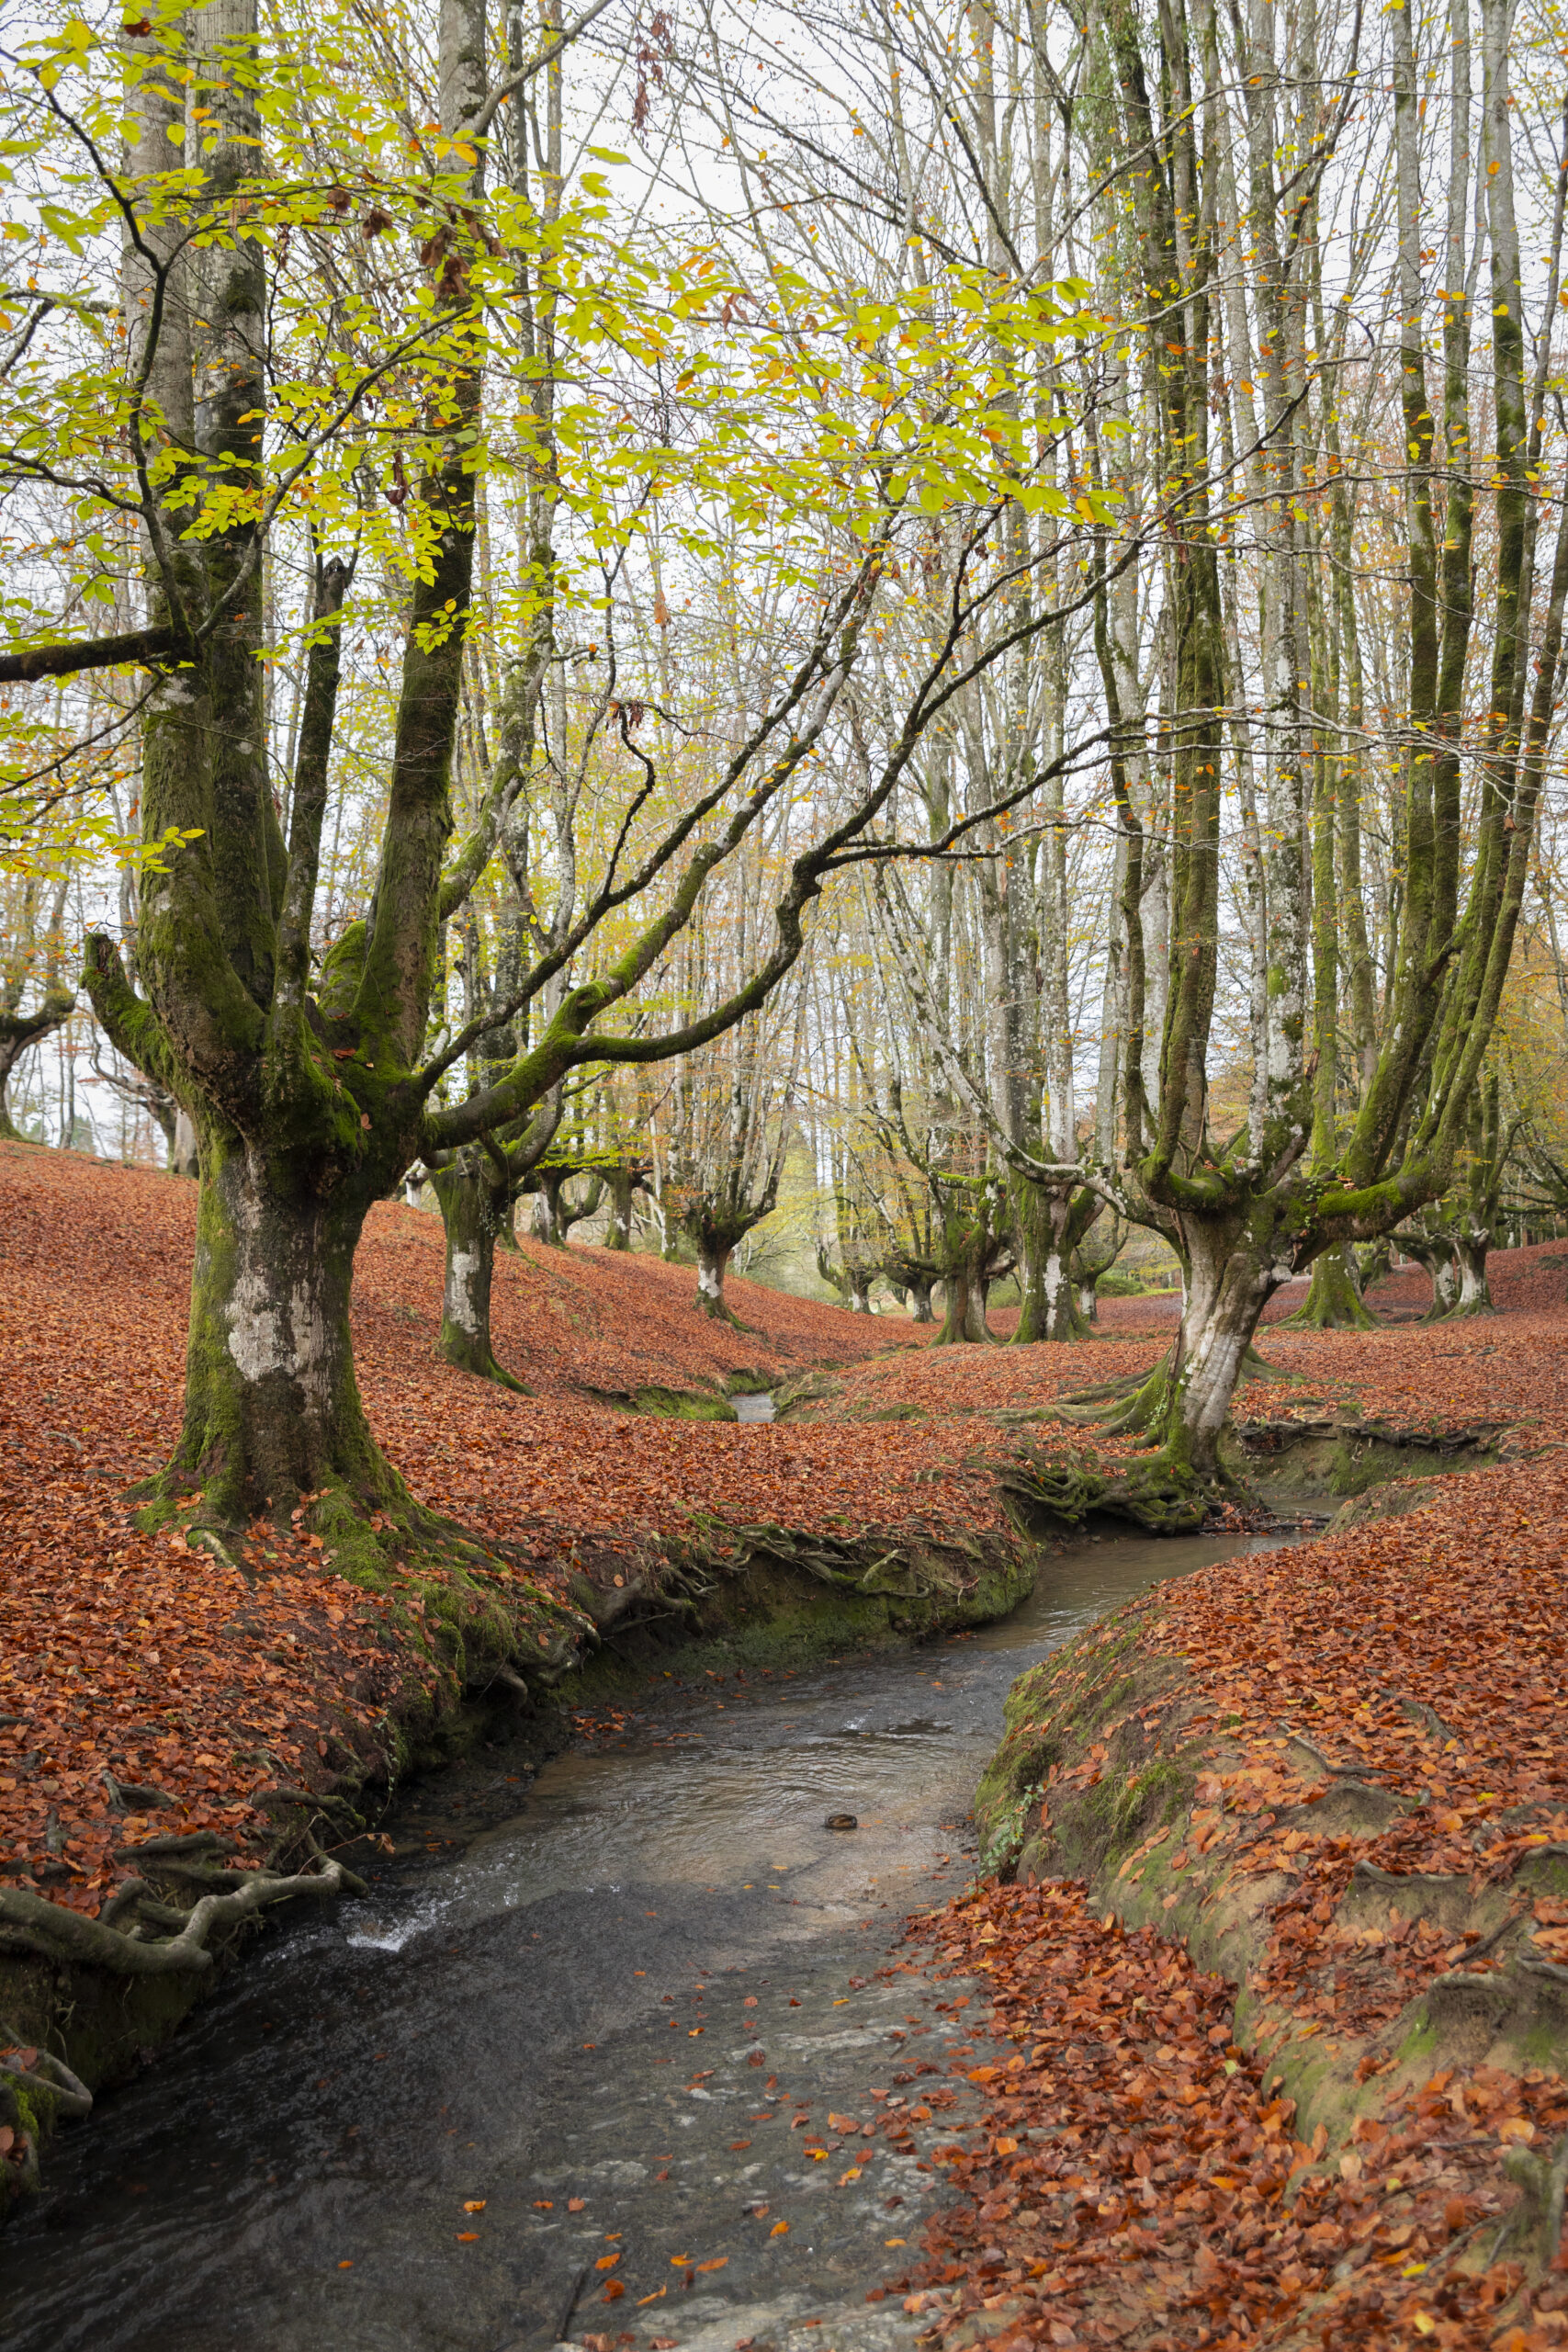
column 126, row 1654
column 1129, row 2184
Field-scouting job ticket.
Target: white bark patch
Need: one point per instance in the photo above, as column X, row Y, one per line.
column 708, row 1281
column 256, row 1330
column 268, row 1336
column 460, row 1283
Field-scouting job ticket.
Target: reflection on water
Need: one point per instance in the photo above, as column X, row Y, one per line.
column 754, row 1409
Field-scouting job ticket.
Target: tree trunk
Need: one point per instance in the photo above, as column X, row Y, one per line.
column 1049, row 1222
column 618, row 1231
column 860, row 1291
column 955, row 1318
column 1230, row 1275
column 920, row 1300
column 272, row 1408
column 1474, row 1294
column 474, row 1209
column 1333, row 1302
column 1229, row 1283
column 963, row 1322
column 712, row 1263
column 1436, row 1256
column 546, row 1217
column 1373, row 1261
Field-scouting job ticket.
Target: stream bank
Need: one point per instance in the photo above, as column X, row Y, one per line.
column 1336, row 1779
column 492, row 2026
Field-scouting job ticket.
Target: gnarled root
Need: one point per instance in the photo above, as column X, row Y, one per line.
column 37, row 2070
column 1157, row 1495
column 32, row 1923
column 1064, row 1489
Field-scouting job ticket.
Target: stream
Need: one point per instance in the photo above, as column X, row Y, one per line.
column 587, row 2029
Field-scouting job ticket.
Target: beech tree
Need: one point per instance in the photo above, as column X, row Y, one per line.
column 314, row 350
column 34, row 1000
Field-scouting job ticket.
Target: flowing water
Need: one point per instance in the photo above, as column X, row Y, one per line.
column 565, row 2041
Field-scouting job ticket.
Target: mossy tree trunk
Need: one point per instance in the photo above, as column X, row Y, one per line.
column 1334, row 1302
column 272, row 1408
column 714, row 1231
column 1049, row 1222
column 475, row 1198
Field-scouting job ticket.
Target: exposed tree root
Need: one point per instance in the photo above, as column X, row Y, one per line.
column 32, row 1923
column 1159, row 1494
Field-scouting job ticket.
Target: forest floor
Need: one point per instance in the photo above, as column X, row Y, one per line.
column 1421, row 1657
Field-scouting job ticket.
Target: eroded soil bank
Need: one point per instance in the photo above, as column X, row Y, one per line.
column 1337, row 1778
column 648, row 1979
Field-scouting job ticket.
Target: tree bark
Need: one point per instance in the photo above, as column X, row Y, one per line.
column 1334, row 1301
column 1473, row 1296
column 272, row 1408
column 476, row 1207
column 618, row 1231
column 712, row 1263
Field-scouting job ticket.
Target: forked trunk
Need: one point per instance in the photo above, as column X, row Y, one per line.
column 860, row 1292
column 272, row 1408
column 1474, row 1291
column 475, row 1209
column 1230, row 1281
column 1049, row 1223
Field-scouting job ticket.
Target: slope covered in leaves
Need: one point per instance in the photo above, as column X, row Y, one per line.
column 1136, row 2181
column 126, row 1654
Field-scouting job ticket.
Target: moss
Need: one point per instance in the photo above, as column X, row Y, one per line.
column 669, row 1404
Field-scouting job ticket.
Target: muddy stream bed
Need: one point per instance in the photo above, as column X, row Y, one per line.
column 574, row 2024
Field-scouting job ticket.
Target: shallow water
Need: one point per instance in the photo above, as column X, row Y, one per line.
column 491, row 2024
